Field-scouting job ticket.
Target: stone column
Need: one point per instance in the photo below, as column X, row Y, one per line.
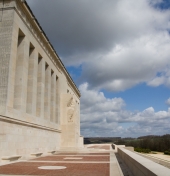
column 12, row 68
column 47, row 98
column 8, row 43
column 78, row 116
column 21, row 74
column 53, row 98
column 57, row 107
column 32, row 82
column 40, row 87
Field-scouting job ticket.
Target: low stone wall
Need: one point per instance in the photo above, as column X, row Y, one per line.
column 141, row 166
column 156, row 160
column 115, row 147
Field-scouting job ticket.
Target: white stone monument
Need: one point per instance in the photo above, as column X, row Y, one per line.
column 39, row 102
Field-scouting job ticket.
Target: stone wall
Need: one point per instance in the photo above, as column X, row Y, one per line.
column 23, row 139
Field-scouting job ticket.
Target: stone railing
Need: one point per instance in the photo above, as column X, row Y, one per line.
column 141, row 166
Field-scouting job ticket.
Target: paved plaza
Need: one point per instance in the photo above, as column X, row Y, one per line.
column 95, row 160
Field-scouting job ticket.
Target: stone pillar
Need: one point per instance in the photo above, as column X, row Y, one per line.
column 47, row 98
column 21, row 74
column 7, row 41
column 53, row 98
column 40, row 87
column 32, row 82
column 57, row 107
column 77, row 118
column 12, row 68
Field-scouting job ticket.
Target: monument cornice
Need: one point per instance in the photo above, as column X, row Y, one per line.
column 25, row 13
column 72, row 89
column 24, row 123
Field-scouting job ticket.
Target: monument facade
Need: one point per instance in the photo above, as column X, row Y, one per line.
column 39, row 102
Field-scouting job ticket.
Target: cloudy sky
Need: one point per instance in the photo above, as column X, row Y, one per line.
column 118, row 54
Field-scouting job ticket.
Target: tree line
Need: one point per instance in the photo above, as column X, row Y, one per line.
column 153, row 143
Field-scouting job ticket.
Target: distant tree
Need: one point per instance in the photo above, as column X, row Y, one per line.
column 154, row 143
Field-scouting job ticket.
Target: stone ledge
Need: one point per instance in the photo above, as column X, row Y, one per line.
column 36, row 154
column 11, row 158
column 52, row 152
column 24, row 123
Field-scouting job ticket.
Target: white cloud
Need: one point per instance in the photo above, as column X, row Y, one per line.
column 93, row 101
column 140, row 49
column 120, row 43
column 162, row 79
column 115, row 120
column 168, row 101
column 157, row 81
column 130, row 64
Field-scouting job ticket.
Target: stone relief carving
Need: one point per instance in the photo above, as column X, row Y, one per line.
column 70, row 114
column 70, row 102
column 71, row 109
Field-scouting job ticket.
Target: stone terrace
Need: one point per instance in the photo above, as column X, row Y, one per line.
column 94, row 160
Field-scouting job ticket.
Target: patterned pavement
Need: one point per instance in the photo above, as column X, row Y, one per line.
column 96, row 163
column 72, row 169
column 71, row 158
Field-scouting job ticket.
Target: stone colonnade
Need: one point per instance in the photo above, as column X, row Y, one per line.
column 36, row 86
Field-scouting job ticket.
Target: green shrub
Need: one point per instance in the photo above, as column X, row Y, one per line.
column 167, row 152
column 141, row 150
